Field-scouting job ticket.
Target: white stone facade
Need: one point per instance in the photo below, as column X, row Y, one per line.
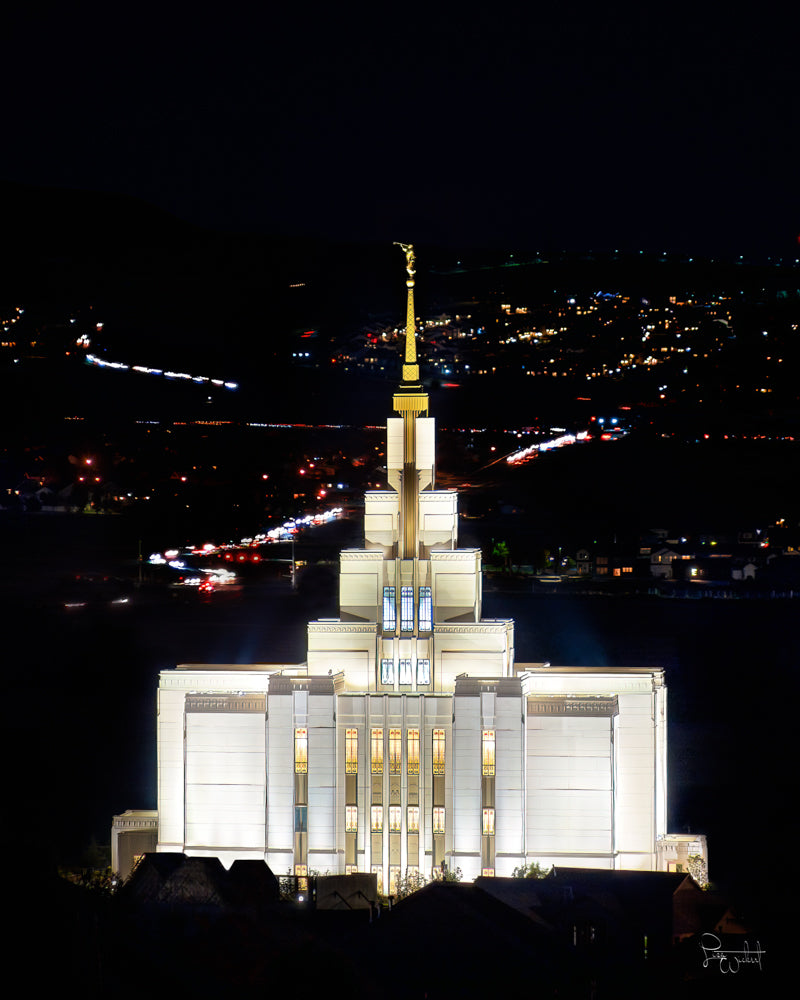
column 410, row 739
column 578, row 775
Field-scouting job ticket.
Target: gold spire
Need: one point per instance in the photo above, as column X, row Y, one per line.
column 410, row 401
column 410, row 366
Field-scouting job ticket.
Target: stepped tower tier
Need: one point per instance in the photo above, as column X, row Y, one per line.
column 410, row 600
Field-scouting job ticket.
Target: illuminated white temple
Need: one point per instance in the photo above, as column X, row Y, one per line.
column 410, row 738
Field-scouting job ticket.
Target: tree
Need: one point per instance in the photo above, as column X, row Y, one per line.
column 531, row 870
column 449, row 874
column 409, row 882
column 698, row 869
column 501, row 551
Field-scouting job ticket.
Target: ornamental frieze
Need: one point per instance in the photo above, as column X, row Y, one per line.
column 226, row 703
column 566, row 705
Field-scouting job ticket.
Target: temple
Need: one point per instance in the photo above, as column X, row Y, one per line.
column 411, row 739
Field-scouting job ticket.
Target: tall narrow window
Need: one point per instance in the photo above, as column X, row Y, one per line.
column 406, row 609
column 351, row 819
column 351, row 751
column 425, row 609
column 378, row 870
column 395, row 751
column 376, row 819
column 389, row 610
column 438, row 751
column 413, row 819
column 387, row 671
column 423, row 671
column 488, row 822
column 395, row 819
column 301, row 751
column 376, row 750
column 406, row 672
column 412, row 751
column 487, row 750
column 438, row 819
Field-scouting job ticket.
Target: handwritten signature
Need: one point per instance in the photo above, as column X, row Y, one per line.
column 729, row 960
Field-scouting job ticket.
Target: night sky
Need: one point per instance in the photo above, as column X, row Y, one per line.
column 598, row 126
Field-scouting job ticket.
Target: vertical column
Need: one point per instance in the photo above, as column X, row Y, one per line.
column 488, row 769
column 376, row 817
column 409, row 512
column 300, row 844
column 395, row 816
column 438, row 796
column 412, row 794
column 351, row 799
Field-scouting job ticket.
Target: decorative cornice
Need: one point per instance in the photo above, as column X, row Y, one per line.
column 474, row 628
column 439, row 496
column 351, row 627
column 566, row 705
column 454, row 555
column 212, row 703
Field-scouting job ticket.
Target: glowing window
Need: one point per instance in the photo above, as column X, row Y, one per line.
column 351, row 751
column 438, row 751
column 425, row 609
column 406, row 672
column 489, row 872
column 301, row 751
column 378, row 870
column 376, row 819
column 488, row 747
column 351, row 819
column 423, row 671
column 413, row 819
column 395, row 819
column 412, row 751
column 438, row 819
column 389, row 610
column 387, row 671
column 406, row 609
column 376, row 742
column 351, row 869
column 395, row 751
column 394, row 878
column 488, row 822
